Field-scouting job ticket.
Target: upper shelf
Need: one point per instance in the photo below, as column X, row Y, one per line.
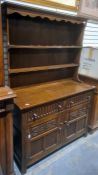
column 41, row 68
column 41, row 47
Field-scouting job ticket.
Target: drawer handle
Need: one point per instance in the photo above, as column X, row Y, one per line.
column 61, row 123
column 29, row 136
column 67, row 124
column 60, row 129
column 88, row 97
column 2, row 110
column 72, row 102
column 35, row 116
column 60, row 107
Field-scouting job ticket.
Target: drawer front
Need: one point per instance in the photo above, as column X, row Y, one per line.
column 46, row 110
column 40, row 129
column 78, row 112
column 55, row 107
column 80, row 99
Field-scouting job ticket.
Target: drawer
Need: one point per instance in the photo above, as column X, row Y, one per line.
column 46, row 110
column 79, row 99
column 40, row 129
column 79, row 111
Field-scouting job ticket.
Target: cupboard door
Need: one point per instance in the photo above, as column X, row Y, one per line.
column 82, row 125
column 75, row 128
column 71, row 130
column 52, row 140
column 68, row 131
column 77, row 121
column 41, row 145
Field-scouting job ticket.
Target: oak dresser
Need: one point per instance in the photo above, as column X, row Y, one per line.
column 42, row 51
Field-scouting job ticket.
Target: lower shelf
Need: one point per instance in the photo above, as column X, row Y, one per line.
column 42, row 68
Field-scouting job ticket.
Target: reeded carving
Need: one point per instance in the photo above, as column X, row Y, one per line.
column 46, row 110
column 80, row 99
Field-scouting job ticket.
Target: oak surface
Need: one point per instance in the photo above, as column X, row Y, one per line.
column 43, row 93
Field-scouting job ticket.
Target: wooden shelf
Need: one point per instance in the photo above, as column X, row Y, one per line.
column 41, row 68
column 41, row 47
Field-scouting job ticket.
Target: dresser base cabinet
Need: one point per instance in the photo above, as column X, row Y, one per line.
column 41, row 130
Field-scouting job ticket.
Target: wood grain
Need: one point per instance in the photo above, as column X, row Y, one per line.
column 47, row 92
column 42, row 68
column 42, row 47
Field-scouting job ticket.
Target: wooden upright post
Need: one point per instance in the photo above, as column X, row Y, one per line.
column 1, row 52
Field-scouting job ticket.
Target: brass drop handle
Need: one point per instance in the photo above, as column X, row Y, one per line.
column 60, row 107
column 60, row 129
column 2, row 110
column 35, row 116
column 88, row 97
column 72, row 102
column 29, row 136
column 61, row 123
column 67, row 124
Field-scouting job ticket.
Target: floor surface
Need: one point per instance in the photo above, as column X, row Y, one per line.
column 78, row 158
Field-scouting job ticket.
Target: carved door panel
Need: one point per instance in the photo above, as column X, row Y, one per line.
column 42, row 144
column 77, row 121
column 75, row 128
column 71, row 129
column 81, row 125
column 63, row 123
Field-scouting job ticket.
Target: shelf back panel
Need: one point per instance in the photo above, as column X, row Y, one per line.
column 26, row 58
column 37, row 31
column 29, row 78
